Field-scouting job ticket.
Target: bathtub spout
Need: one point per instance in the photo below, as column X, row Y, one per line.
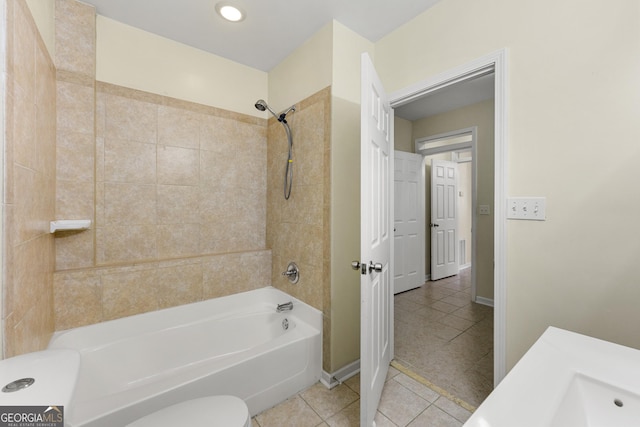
column 287, row 306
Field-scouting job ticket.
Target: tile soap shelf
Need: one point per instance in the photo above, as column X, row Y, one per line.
column 69, row 225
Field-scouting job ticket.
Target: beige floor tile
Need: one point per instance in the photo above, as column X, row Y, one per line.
column 400, row 404
column 327, row 403
column 456, row 322
column 348, row 417
column 420, row 389
column 354, row 383
column 293, row 412
column 453, row 409
column 382, row 421
column 435, row 417
column 444, row 307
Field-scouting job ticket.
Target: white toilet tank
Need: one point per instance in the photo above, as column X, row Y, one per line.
column 44, row 378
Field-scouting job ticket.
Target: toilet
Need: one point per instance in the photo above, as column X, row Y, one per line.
column 211, row 411
column 49, row 377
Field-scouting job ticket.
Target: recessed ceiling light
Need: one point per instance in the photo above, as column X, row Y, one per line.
column 230, row 13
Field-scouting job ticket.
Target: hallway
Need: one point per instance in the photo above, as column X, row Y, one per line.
column 444, row 337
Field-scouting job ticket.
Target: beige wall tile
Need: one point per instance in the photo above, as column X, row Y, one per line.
column 75, row 156
column 74, row 249
column 74, row 200
column 117, row 244
column 217, row 133
column 220, row 169
column 126, row 294
column 129, row 119
column 297, row 229
column 75, row 107
column 178, row 128
column 129, row 204
column 75, row 37
column 178, row 240
column 178, row 166
column 45, row 94
column 78, row 297
column 178, row 204
column 24, row 126
column 179, row 285
column 129, row 161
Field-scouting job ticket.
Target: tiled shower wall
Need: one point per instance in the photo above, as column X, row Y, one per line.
column 176, row 193
column 298, row 229
column 28, row 182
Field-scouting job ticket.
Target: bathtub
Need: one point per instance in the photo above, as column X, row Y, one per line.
column 236, row 345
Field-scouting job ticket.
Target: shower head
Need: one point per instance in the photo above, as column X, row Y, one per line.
column 262, row 106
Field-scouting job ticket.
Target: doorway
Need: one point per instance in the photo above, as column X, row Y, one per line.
column 494, row 63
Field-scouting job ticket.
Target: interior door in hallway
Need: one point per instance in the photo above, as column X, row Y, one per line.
column 408, row 226
column 444, row 219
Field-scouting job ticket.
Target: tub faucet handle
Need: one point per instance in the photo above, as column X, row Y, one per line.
column 292, row 273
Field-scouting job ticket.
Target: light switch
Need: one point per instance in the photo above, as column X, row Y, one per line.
column 528, row 208
column 484, row 210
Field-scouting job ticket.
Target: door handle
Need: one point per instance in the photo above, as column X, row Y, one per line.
column 433, row 224
column 356, row 265
column 377, row 267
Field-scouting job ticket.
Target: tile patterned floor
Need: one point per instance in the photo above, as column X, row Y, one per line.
column 443, row 366
column 444, row 337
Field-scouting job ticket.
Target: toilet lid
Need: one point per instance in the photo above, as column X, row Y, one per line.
column 212, row 411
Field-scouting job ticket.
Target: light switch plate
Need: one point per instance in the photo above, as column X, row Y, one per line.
column 527, row 208
column 484, row 210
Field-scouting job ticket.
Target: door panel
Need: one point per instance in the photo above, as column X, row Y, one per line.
column 444, row 219
column 409, row 241
column 376, row 293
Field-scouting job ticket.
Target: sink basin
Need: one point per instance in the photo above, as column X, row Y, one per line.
column 567, row 380
column 593, row 403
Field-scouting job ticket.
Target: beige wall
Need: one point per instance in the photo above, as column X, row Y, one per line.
column 480, row 115
column 303, row 73
column 571, row 67
column 43, row 12
column 345, row 196
column 136, row 59
column 28, row 147
column 403, row 135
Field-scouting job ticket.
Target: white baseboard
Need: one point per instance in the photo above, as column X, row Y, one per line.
column 484, row 301
column 338, row 377
column 462, row 267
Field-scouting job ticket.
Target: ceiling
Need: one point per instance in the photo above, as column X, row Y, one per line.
column 450, row 98
column 271, row 30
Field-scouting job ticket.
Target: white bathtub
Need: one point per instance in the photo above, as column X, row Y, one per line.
column 234, row 345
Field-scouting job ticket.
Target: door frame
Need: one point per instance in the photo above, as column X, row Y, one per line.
column 494, row 62
column 425, row 152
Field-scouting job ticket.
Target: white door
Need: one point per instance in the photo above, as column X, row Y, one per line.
column 408, row 225
column 444, row 219
column 376, row 293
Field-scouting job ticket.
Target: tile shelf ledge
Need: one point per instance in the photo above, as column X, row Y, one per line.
column 69, row 225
